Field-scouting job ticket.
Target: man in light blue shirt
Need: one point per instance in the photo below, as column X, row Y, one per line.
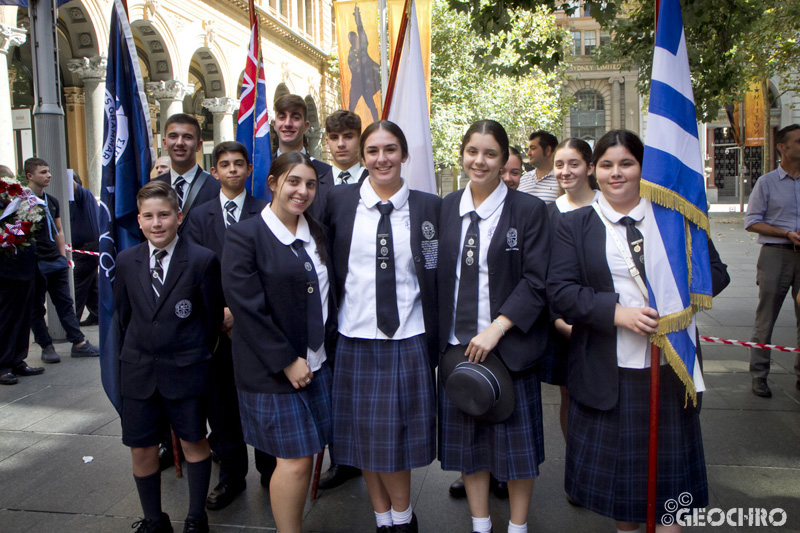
column 774, row 213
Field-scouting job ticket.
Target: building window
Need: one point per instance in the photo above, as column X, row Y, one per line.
column 587, row 11
column 575, row 6
column 605, row 38
column 576, row 43
column 589, row 41
column 588, row 116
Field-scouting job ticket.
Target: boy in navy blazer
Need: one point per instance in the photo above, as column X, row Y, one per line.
column 168, row 299
column 208, row 228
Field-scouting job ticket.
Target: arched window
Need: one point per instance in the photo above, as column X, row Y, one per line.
column 588, row 116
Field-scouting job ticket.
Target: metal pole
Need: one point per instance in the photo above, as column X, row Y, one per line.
column 48, row 121
column 384, row 49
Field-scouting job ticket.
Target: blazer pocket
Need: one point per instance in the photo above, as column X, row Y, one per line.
column 183, row 359
column 130, row 356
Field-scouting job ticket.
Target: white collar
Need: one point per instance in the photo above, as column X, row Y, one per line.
column 281, row 232
column 238, row 200
column 170, row 248
column 488, row 207
column 188, row 176
column 355, row 171
column 371, row 198
column 637, row 213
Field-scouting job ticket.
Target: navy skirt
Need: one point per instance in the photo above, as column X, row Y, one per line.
column 512, row 449
column 606, row 463
column 384, row 404
column 291, row 425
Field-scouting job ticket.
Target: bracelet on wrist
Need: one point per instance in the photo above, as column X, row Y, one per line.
column 499, row 325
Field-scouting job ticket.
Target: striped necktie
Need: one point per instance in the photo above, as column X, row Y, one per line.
column 230, row 208
column 180, row 188
column 157, row 273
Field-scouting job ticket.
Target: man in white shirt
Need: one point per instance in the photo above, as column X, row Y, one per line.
column 541, row 182
column 343, row 138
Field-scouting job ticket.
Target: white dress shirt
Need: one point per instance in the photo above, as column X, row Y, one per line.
column 170, row 249
column 355, row 174
column 188, row 176
column 358, row 314
column 239, row 201
column 489, row 211
column 314, row 358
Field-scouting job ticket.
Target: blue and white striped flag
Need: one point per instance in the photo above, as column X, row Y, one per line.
column 127, row 161
column 672, row 178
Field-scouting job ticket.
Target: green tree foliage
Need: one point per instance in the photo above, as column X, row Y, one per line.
column 463, row 92
column 731, row 43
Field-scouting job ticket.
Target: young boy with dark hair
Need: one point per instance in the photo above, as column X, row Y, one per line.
column 343, row 137
column 168, row 297
column 207, row 228
column 290, row 124
column 52, row 272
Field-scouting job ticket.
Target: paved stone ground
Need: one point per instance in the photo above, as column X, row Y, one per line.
column 51, row 423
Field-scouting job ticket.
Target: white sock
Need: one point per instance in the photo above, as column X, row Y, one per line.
column 637, row 530
column 384, row 519
column 514, row 528
column 402, row 517
column 482, row 525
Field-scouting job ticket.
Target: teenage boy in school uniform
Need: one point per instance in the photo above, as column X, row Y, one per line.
column 182, row 140
column 207, row 228
column 168, row 297
column 290, row 124
column 343, row 138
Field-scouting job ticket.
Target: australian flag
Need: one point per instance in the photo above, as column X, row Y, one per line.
column 127, row 160
column 253, row 128
column 672, row 178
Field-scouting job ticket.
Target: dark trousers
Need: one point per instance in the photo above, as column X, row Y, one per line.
column 85, row 275
column 55, row 282
column 15, row 321
column 226, row 438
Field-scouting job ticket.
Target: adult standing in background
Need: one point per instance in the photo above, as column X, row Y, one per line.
column 772, row 212
column 540, row 181
column 85, row 236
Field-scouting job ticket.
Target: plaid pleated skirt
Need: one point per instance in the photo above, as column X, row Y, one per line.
column 606, row 463
column 384, row 404
column 512, row 449
column 291, row 425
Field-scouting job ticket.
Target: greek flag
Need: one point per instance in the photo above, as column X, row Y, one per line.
column 253, row 125
column 127, row 160
column 672, row 178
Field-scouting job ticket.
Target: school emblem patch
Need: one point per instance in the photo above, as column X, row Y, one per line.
column 511, row 238
column 183, row 309
column 428, row 230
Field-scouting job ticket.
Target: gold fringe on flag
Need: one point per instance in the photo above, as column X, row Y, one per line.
column 672, row 200
column 677, row 365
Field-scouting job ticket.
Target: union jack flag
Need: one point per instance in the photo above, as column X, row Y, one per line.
column 253, row 128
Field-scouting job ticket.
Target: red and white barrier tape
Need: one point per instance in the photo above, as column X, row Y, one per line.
column 70, row 249
column 748, row 344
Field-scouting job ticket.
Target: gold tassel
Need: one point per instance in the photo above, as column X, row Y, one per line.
column 675, row 322
column 672, row 200
column 677, row 365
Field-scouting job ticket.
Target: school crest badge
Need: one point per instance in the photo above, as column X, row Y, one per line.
column 428, row 231
column 183, row 309
column 511, row 238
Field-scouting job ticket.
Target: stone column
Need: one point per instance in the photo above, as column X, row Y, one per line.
column 92, row 70
column 616, row 122
column 9, row 36
column 170, row 95
column 74, row 119
column 632, row 109
column 222, row 109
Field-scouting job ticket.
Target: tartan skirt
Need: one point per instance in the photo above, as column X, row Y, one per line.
column 291, row 425
column 512, row 449
column 606, row 462
column 384, row 404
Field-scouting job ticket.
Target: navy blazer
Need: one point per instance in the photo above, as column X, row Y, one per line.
column 208, row 191
column 207, row 227
column 167, row 344
column 324, row 186
column 517, row 271
column 424, row 215
column 265, row 287
column 581, row 289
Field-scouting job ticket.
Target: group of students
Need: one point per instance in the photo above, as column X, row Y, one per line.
column 337, row 322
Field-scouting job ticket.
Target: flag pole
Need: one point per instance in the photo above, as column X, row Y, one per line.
column 398, row 51
column 652, row 441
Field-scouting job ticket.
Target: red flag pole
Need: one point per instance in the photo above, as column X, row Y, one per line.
column 398, row 51
column 655, row 371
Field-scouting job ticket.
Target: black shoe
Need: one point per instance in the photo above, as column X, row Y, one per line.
column 411, row 527
column 384, row 529
column 145, row 525
column 760, row 388
column 498, row 488
column 8, row 378
column 336, row 475
column 457, row 489
column 195, row 525
column 25, row 370
column 87, row 349
column 91, row 320
column 49, row 355
column 223, row 495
